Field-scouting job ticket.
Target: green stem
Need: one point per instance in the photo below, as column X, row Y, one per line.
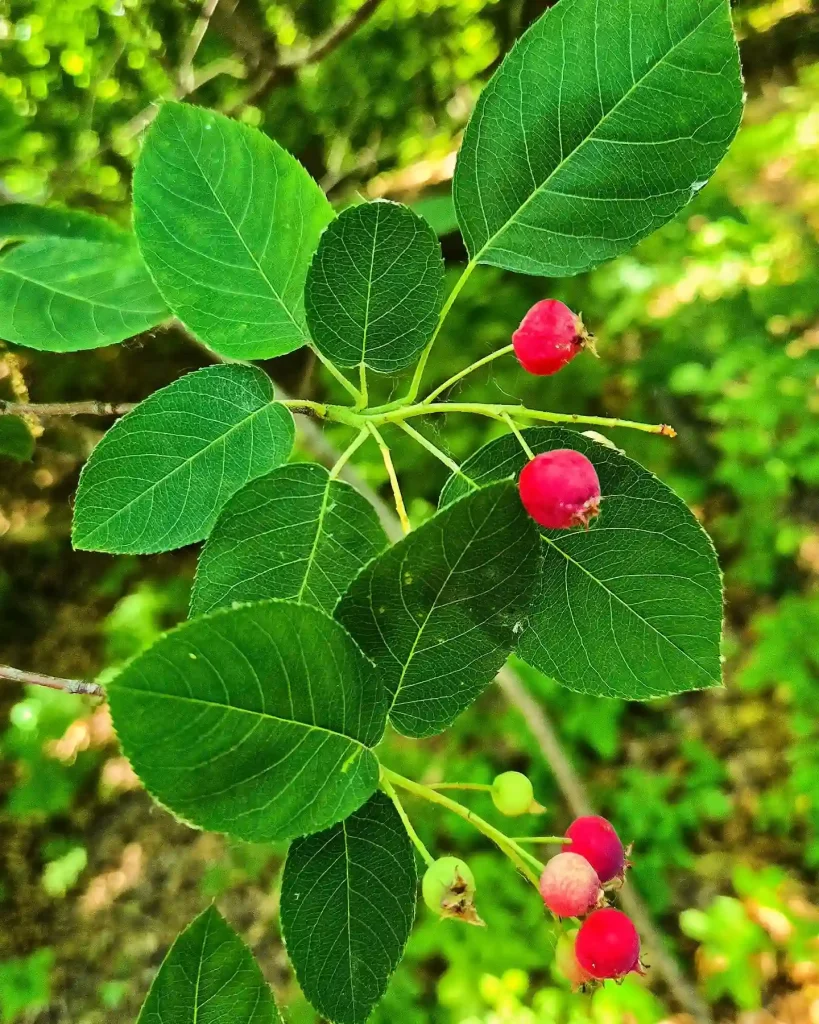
column 386, row 455
column 339, row 376
column 415, row 386
column 362, row 377
column 402, row 814
column 521, row 858
column 480, row 787
column 432, row 448
column 550, row 840
column 463, row 373
column 511, row 423
column 305, row 406
column 344, row 458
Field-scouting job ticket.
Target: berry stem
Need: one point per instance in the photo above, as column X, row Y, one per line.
column 402, row 814
column 511, row 423
column 344, row 458
column 551, row 840
column 415, row 386
column 360, row 399
column 521, row 858
column 434, row 449
column 481, row 787
column 386, row 455
column 463, row 373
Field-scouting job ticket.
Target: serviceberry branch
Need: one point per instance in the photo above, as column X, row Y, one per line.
column 78, row 686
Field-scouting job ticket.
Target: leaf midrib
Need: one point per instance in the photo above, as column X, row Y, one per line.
column 569, row 156
column 628, row 608
column 311, row 727
column 182, row 465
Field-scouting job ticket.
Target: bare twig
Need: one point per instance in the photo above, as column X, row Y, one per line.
column 64, row 408
column 80, row 686
column 185, row 77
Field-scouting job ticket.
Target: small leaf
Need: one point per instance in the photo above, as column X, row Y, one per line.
column 160, row 476
column 227, row 222
column 375, row 288
column 256, row 721
column 347, row 906
column 603, row 121
column 70, row 294
column 438, row 612
column 631, row 608
column 16, row 441
column 294, row 534
column 26, row 220
column 209, row 977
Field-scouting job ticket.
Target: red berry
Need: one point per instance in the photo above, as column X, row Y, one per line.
column 595, row 839
column 569, row 885
column 550, row 336
column 560, row 489
column 607, row 945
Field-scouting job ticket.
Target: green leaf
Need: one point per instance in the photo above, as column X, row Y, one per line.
column 70, row 294
column 603, row 121
column 375, row 287
column 347, row 905
column 294, row 534
column 256, row 721
column 160, row 476
column 439, row 611
column 209, row 977
column 16, row 441
column 631, row 608
column 25, row 220
column 227, row 222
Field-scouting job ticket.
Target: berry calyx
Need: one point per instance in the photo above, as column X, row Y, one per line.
column 569, row 885
column 549, row 337
column 512, row 794
column 448, row 888
column 560, row 489
column 595, row 839
column 607, row 945
column 566, row 961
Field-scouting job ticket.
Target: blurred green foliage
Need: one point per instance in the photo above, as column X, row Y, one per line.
column 712, row 324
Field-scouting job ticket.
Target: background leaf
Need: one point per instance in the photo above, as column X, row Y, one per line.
column 209, row 977
column 602, row 122
column 26, row 220
column 293, row 534
column 256, row 721
column 347, row 905
column 375, row 287
column 69, row 294
column 227, row 222
column 16, row 441
column 631, row 608
column 438, row 611
column 159, row 477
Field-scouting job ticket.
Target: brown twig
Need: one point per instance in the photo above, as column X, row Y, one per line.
column 185, row 76
column 80, row 686
column 64, row 408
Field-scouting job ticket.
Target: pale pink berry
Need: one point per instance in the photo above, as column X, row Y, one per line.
column 560, row 489
column 569, row 885
column 607, row 945
column 549, row 337
column 595, row 839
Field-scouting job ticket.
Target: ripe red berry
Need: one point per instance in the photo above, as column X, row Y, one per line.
column 595, row 839
column 607, row 945
column 560, row 489
column 569, row 885
column 549, row 336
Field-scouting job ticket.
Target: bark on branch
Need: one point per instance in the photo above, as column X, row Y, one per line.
column 80, row 686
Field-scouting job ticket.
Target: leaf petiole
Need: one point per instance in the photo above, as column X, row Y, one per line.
column 386, row 455
column 360, row 398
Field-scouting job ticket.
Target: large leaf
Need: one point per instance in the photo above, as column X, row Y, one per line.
column 68, row 294
column 16, row 441
column 439, row 611
column 26, row 220
column 295, row 534
column 160, row 476
column 602, row 122
column 632, row 607
column 209, row 977
column 375, row 287
column 347, row 906
column 256, row 721
column 227, row 221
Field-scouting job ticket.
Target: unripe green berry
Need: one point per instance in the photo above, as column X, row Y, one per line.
column 448, row 888
column 512, row 794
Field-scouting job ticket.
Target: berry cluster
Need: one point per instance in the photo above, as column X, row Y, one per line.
column 572, row 885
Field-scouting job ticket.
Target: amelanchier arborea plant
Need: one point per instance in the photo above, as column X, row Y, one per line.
column 309, row 633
